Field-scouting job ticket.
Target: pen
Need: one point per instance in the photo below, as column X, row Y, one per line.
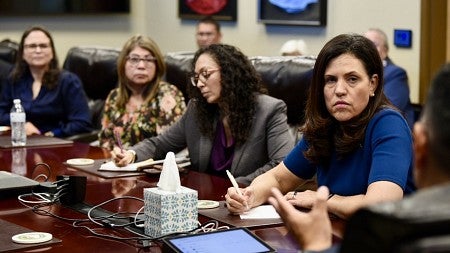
column 236, row 186
column 234, row 183
column 119, row 141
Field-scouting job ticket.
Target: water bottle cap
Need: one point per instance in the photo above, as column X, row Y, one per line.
column 16, row 101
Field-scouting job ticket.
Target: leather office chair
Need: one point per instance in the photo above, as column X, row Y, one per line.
column 97, row 69
column 287, row 78
column 178, row 66
column 8, row 50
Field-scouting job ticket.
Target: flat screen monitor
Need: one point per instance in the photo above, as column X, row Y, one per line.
column 59, row 7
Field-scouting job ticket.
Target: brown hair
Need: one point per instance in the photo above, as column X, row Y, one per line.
column 150, row 90
column 51, row 76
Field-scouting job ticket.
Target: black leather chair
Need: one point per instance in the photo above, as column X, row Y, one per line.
column 97, row 69
column 8, row 50
column 178, row 67
column 287, row 78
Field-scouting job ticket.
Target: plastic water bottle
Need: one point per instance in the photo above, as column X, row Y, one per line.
column 18, row 119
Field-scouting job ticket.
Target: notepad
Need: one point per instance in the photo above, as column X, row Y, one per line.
column 111, row 166
column 261, row 212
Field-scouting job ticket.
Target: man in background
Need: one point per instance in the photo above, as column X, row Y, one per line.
column 208, row 32
column 396, row 86
column 380, row 228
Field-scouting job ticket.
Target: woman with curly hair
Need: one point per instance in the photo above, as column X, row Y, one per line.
column 229, row 123
column 356, row 142
column 53, row 99
column 143, row 105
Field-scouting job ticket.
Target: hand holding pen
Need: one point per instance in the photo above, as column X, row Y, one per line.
column 236, row 187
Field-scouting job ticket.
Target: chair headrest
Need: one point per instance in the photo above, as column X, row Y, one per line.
column 8, row 50
column 96, row 67
column 287, row 78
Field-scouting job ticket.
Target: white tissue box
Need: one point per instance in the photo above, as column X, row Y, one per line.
column 169, row 212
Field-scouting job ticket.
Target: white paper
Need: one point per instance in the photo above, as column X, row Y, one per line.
column 111, row 166
column 169, row 180
column 261, row 212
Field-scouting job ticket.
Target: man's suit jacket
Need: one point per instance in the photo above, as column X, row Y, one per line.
column 404, row 224
column 267, row 145
column 396, row 89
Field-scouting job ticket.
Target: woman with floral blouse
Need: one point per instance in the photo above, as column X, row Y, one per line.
column 143, row 105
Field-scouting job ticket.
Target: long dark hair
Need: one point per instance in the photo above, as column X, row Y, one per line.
column 51, row 76
column 240, row 84
column 321, row 130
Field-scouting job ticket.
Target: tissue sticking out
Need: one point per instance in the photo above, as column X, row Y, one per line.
column 169, row 180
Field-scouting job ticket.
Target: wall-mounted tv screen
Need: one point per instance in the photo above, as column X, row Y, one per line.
column 58, row 7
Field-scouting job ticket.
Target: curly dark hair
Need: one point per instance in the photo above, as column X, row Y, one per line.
column 240, row 85
column 321, row 130
column 51, row 76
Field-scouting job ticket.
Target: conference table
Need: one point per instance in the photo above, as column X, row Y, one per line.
column 32, row 161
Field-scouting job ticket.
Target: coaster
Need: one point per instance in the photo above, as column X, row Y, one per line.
column 32, row 237
column 207, row 204
column 80, row 161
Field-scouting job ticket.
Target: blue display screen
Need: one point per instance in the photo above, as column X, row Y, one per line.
column 403, row 38
column 232, row 240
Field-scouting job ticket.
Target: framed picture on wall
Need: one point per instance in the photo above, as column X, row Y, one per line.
column 225, row 10
column 293, row 12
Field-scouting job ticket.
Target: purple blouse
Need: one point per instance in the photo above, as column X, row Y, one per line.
column 221, row 154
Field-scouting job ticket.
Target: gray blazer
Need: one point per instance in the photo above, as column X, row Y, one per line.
column 269, row 141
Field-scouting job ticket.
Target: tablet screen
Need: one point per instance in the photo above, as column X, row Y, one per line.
column 231, row 240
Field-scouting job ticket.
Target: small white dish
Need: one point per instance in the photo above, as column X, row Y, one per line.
column 80, row 161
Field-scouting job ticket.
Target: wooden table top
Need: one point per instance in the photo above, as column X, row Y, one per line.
column 99, row 189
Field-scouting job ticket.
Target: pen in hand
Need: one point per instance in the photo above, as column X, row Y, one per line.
column 235, row 185
column 118, row 140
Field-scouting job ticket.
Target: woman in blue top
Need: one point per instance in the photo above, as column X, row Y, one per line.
column 359, row 145
column 53, row 99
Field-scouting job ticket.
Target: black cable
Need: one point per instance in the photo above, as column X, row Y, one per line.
column 142, row 241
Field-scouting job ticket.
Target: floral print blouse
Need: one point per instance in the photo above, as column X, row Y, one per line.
column 149, row 120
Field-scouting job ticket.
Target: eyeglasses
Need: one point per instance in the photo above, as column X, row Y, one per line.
column 134, row 60
column 202, row 76
column 36, row 46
